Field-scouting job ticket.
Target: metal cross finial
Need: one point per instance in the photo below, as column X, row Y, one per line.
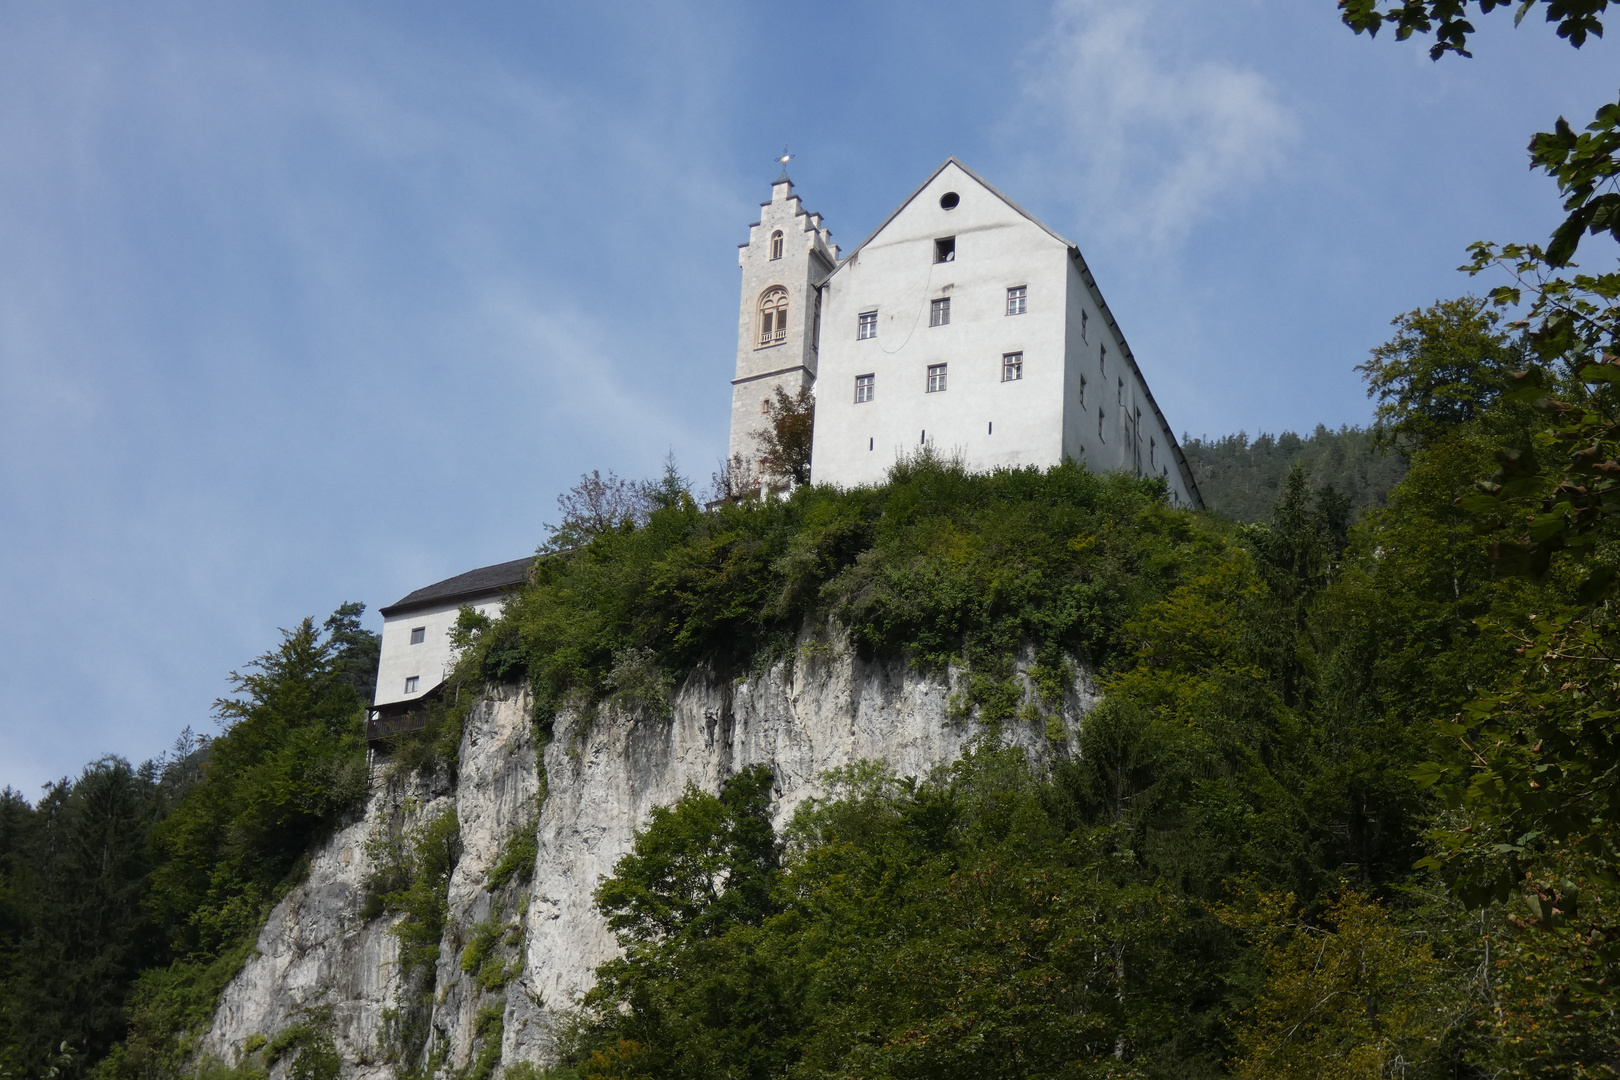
column 784, row 159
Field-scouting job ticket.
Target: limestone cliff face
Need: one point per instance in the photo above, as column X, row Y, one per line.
column 604, row 771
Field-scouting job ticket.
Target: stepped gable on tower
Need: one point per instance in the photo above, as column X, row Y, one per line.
column 961, row 324
column 787, row 257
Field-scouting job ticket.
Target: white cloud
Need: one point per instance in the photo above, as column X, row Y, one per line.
column 1156, row 139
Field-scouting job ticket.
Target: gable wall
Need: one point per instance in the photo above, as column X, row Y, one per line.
column 986, row 421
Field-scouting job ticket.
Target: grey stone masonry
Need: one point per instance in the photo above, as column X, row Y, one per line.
column 787, row 257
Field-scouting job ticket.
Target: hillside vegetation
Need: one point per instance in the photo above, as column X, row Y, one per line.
column 1242, row 478
column 1274, row 854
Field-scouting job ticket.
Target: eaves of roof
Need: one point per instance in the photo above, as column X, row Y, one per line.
column 485, row 581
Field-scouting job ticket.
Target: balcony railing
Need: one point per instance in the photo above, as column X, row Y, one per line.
column 381, row 728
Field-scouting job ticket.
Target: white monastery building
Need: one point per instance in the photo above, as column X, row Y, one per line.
column 962, row 324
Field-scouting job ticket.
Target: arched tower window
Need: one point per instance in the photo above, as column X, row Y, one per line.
column 776, row 244
column 773, row 310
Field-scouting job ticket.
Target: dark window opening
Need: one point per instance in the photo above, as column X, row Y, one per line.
column 945, row 249
column 418, row 634
column 949, row 200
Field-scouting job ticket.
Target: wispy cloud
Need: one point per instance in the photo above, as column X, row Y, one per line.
column 1148, row 138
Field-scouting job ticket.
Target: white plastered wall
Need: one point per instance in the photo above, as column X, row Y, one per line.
column 1134, row 438
column 428, row 661
column 985, row 421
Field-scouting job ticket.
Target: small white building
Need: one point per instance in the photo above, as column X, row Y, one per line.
column 962, row 324
column 416, row 655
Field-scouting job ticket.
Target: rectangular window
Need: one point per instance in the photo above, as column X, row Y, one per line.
column 1016, row 300
column 411, row 683
column 418, row 634
column 936, row 378
column 1084, row 318
column 864, row 385
column 1012, row 366
column 939, row 311
column 866, row 325
column 945, row 249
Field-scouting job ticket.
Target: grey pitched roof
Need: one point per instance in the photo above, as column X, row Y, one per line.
column 480, row 582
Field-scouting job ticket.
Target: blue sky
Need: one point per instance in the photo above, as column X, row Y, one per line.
column 304, row 302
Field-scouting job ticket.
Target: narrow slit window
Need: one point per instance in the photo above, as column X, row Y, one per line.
column 1119, row 398
column 776, row 244
column 1017, row 299
column 866, row 325
column 1012, row 366
column 411, row 683
column 1084, row 319
column 939, row 311
column 936, row 378
column 1102, row 360
column 1082, row 391
column 864, row 387
column 1153, row 453
column 418, row 635
column 1100, row 436
column 945, row 249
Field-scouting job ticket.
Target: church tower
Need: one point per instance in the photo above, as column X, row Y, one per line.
column 784, row 263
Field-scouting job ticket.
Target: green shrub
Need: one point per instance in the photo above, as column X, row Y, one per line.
column 939, row 565
column 484, row 959
column 412, row 876
column 516, row 859
column 488, row 1029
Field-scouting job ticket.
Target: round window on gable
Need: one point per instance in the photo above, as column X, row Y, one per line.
column 949, row 200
